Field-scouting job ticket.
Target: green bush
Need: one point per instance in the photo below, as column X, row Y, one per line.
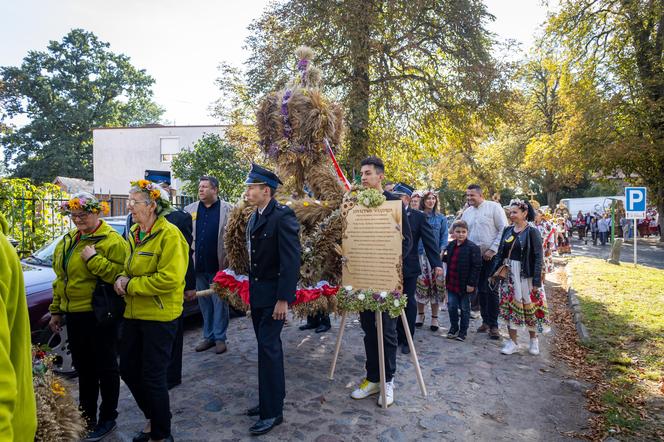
column 32, row 212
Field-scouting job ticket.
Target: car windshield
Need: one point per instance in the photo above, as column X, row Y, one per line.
column 44, row 256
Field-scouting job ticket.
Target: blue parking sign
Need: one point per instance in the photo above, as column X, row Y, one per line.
column 635, row 202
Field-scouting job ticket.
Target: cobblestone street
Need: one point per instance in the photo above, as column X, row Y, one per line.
column 475, row 393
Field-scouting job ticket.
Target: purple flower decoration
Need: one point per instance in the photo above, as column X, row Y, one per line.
column 302, row 65
column 396, row 294
column 288, row 130
column 376, row 296
column 272, row 150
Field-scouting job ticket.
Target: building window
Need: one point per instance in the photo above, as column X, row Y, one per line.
column 170, row 147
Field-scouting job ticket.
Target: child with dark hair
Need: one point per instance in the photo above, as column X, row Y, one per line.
column 464, row 262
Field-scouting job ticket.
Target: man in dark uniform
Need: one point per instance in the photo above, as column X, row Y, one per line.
column 274, row 270
column 420, row 230
column 181, row 220
column 373, row 173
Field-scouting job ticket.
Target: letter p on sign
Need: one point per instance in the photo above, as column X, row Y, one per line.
column 635, row 202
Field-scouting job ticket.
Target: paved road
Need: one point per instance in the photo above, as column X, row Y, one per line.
column 650, row 252
column 475, row 393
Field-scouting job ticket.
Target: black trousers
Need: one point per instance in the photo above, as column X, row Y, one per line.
column 94, row 353
column 145, row 352
column 368, row 323
column 175, row 367
column 488, row 298
column 271, row 378
column 409, row 285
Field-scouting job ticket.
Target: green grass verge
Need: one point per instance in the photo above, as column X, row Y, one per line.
column 623, row 308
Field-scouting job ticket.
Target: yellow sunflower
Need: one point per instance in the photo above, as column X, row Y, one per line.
column 74, row 204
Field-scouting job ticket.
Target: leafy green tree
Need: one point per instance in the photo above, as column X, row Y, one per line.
column 75, row 85
column 212, row 155
column 391, row 63
column 621, row 44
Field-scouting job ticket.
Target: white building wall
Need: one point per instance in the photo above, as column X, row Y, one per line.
column 124, row 154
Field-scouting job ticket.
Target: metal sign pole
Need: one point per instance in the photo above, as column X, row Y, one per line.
column 634, row 235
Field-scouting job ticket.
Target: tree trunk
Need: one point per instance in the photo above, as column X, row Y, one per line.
column 551, row 199
column 359, row 24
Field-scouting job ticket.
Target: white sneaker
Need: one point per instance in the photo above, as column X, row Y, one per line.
column 389, row 394
column 509, row 347
column 474, row 314
column 365, row 389
column 534, row 347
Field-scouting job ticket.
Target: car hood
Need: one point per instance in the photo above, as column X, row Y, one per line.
column 37, row 278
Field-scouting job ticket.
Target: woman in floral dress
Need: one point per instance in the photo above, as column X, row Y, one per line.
column 429, row 288
column 548, row 233
column 522, row 300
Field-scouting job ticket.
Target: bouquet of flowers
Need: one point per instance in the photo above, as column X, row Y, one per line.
column 351, row 300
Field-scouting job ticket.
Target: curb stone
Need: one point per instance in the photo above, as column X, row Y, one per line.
column 575, row 305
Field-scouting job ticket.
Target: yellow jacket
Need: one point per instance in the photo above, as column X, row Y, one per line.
column 18, row 412
column 75, row 281
column 156, row 266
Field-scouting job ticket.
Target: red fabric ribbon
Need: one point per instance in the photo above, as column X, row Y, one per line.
column 340, row 172
column 241, row 287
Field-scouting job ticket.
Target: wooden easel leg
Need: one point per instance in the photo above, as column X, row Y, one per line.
column 338, row 346
column 413, row 355
column 381, row 357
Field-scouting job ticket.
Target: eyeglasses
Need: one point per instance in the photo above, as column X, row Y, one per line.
column 79, row 215
column 132, row 203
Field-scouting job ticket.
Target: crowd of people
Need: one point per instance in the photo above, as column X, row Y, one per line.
column 490, row 264
column 599, row 225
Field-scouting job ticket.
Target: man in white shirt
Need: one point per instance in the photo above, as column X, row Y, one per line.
column 604, row 227
column 486, row 222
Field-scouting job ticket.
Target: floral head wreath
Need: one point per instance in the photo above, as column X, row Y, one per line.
column 154, row 192
column 85, row 203
column 519, row 203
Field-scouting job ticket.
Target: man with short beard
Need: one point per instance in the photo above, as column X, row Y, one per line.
column 486, row 221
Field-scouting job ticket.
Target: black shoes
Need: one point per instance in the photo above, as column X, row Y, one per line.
column 308, row 326
column 145, row 437
column 265, row 425
column 323, row 328
column 405, row 349
column 434, row 327
column 101, row 430
column 141, row 437
column 255, row 411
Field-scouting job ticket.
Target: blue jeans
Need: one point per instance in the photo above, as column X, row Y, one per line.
column 456, row 301
column 213, row 310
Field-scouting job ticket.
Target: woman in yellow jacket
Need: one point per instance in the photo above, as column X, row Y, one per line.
column 92, row 251
column 153, row 285
column 18, row 414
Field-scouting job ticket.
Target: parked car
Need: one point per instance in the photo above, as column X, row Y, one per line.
column 39, row 276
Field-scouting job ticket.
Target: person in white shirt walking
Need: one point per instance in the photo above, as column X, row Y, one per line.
column 486, row 221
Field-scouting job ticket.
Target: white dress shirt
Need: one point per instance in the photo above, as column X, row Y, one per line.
column 485, row 224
